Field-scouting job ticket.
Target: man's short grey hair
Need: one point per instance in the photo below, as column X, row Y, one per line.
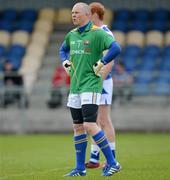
column 85, row 7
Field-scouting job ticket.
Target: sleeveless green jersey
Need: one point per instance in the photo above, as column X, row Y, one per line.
column 86, row 49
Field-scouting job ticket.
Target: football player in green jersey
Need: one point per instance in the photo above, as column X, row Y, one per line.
column 82, row 57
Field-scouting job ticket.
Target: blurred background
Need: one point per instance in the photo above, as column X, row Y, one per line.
column 34, row 86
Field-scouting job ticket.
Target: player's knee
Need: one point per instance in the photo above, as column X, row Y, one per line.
column 89, row 127
column 101, row 122
column 104, row 121
column 78, row 128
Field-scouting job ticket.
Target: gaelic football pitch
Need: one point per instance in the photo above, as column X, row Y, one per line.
column 49, row 157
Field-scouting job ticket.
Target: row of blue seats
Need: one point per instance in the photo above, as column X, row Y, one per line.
column 141, row 19
column 151, row 50
column 150, row 67
column 150, row 77
column 142, row 26
column 12, row 20
column 149, row 82
column 147, row 89
column 149, row 58
column 124, row 14
column 146, row 64
column 24, row 25
column 22, row 15
column 119, row 14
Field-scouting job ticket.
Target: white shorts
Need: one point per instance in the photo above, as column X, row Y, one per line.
column 77, row 100
column 107, row 91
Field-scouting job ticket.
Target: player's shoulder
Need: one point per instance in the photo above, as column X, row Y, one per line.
column 94, row 27
column 71, row 32
column 74, row 30
column 107, row 30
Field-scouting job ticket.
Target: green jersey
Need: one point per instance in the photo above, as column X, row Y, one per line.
column 86, row 49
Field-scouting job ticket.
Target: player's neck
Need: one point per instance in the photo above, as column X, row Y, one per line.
column 84, row 24
column 99, row 23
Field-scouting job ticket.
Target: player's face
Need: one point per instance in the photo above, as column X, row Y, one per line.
column 78, row 16
column 94, row 18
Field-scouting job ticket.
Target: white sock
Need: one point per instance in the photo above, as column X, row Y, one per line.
column 112, row 145
column 95, row 147
column 94, row 157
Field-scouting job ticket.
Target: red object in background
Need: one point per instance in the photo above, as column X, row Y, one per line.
column 60, row 78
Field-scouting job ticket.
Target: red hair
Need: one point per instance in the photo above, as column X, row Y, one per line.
column 97, row 8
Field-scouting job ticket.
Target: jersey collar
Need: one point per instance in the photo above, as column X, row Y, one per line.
column 85, row 28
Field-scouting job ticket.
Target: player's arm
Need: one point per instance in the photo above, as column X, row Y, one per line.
column 106, row 69
column 113, row 51
column 64, row 56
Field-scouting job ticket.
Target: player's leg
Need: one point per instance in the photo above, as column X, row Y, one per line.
column 94, row 152
column 80, row 137
column 89, row 112
column 104, row 119
column 104, row 113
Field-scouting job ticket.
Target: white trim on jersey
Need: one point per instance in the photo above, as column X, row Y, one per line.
column 107, row 30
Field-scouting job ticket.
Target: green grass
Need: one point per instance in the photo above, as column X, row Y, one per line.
column 49, row 157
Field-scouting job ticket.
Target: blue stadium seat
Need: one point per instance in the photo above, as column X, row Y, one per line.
column 15, row 61
column 120, row 26
column 15, row 55
column 152, row 50
column 144, row 77
column 1, row 83
column 122, row 15
column 165, row 64
column 16, row 50
column 141, row 15
column 130, row 63
column 165, row 67
column 132, row 50
column 1, row 66
column 139, row 26
column 159, row 25
column 25, row 26
column 9, row 15
column 163, row 77
column 28, row 15
column 141, row 89
column 1, row 63
column 2, row 50
column 160, row 14
column 147, row 64
column 7, row 25
column 166, row 51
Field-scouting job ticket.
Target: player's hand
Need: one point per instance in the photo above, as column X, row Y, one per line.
column 97, row 68
column 106, row 69
column 67, row 66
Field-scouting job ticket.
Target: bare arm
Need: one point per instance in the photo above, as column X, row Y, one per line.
column 106, row 70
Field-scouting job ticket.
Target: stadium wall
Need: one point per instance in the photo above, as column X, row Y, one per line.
column 144, row 118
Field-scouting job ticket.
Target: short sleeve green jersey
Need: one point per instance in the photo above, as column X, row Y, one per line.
column 86, row 49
